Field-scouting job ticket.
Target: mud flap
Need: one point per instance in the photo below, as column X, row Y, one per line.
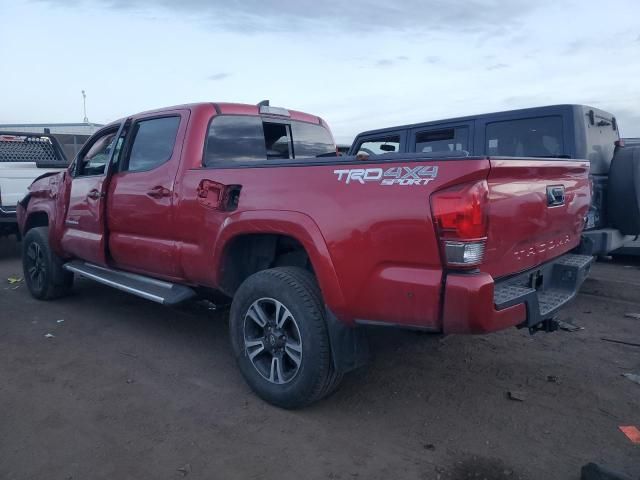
column 349, row 345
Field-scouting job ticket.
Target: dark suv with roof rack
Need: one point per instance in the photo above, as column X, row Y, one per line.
column 557, row 131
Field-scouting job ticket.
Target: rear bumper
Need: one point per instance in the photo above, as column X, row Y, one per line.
column 475, row 303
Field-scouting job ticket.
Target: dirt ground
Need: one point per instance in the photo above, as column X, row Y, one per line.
column 127, row 389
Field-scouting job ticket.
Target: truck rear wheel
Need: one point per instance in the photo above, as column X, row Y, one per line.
column 280, row 339
column 43, row 272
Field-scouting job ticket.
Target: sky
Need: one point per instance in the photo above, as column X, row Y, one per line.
column 359, row 64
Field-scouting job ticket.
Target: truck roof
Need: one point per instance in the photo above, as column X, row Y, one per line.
column 231, row 109
column 534, row 111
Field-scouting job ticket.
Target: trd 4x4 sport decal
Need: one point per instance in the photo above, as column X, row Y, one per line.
column 391, row 176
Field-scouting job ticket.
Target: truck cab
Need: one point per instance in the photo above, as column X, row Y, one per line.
column 557, row 131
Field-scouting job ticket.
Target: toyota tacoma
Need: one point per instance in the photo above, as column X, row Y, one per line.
column 253, row 203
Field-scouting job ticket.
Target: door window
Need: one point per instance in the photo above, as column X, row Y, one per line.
column 443, row 140
column 380, row 146
column 94, row 162
column 153, row 142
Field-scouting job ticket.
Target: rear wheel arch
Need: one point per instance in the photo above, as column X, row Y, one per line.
column 287, row 239
column 249, row 253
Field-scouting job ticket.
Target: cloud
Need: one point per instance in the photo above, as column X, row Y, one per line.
column 629, row 122
column 218, row 76
column 497, row 66
column 576, row 46
column 433, row 60
column 365, row 16
column 388, row 62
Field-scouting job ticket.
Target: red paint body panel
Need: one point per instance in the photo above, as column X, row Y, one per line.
column 83, row 233
column 468, row 306
column 373, row 247
column 523, row 230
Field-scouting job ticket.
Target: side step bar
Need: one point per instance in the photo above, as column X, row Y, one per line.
column 146, row 287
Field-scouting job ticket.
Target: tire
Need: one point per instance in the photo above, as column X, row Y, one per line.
column 266, row 348
column 43, row 272
column 623, row 191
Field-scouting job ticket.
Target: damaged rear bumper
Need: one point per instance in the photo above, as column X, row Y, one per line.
column 476, row 303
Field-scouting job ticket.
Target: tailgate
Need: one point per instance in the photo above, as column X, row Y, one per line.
column 536, row 212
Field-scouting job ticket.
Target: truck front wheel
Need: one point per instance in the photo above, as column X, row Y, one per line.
column 43, row 272
column 280, row 339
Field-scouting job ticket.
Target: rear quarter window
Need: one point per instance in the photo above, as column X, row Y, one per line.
column 527, row 137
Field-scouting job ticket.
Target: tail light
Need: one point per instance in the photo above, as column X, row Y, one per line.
column 460, row 216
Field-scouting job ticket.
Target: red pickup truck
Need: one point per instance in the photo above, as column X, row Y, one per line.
column 253, row 203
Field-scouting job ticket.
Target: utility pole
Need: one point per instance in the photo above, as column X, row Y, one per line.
column 84, row 106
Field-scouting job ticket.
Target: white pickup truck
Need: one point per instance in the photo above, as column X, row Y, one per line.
column 23, row 158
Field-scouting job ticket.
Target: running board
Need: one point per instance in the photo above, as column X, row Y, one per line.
column 146, row 287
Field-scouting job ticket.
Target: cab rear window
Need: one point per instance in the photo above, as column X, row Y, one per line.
column 311, row 140
column 247, row 140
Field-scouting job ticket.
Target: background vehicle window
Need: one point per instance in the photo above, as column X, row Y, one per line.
column 277, row 140
column 311, row 140
column 380, row 146
column 153, row 142
column 445, row 140
column 235, row 138
column 529, row 137
column 95, row 160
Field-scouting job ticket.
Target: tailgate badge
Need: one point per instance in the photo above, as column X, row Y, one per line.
column 555, row 195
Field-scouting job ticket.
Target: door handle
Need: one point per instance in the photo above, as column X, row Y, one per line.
column 94, row 194
column 159, row 192
column 555, row 195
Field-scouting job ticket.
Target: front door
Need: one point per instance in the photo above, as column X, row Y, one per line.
column 141, row 196
column 84, row 227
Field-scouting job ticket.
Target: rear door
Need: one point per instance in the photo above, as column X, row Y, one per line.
column 84, row 225
column 442, row 138
column 140, row 220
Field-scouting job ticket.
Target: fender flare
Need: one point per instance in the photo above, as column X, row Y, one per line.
column 293, row 224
